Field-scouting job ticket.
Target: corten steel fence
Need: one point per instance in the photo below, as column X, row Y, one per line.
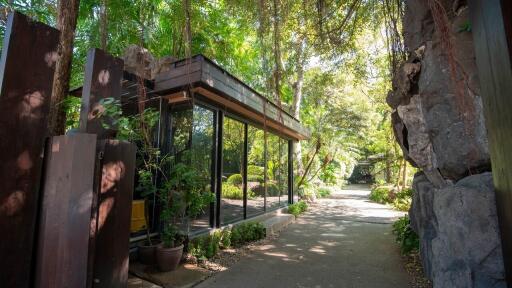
column 65, row 205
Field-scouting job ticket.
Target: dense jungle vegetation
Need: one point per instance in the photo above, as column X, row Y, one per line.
column 328, row 62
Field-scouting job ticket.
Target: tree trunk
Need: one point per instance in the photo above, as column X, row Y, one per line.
column 66, row 23
column 399, row 176
column 388, row 167
column 404, row 175
column 103, row 25
column 277, row 54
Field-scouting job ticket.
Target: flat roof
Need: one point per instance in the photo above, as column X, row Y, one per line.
column 201, row 75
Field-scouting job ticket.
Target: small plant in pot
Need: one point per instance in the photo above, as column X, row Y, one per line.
column 182, row 197
column 169, row 252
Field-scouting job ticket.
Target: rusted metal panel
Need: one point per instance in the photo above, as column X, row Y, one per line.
column 63, row 239
column 103, row 75
column 491, row 23
column 26, row 71
column 112, row 238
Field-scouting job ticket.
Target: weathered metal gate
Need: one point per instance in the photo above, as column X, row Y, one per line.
column 492, row 31
column 65, row 221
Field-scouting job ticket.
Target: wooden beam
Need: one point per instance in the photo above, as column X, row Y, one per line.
column 112, row 238
column 26, row 77
column 491, row 26
column 103, row 76
column 256, row 117
column 63, row 240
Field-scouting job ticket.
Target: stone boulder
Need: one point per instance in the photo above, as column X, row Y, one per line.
column 439, row 123
column 138, row 61
column 141, row 62
column 460, row 241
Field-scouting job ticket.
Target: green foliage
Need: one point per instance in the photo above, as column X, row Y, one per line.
column 206, row 247
column 403, row 199
column 297, row 208
column 235, row 179
column 230, row 191
column 400, row 200
column 255, row 170
column 272, row 190
column 247, row 232
column 405, row 236
column 323, row 192
column 381, row 194
column 225, row 238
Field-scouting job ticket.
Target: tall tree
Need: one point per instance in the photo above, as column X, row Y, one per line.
column 103, row 25
column 66, row 23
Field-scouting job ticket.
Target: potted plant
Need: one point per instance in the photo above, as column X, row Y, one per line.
column 182, row 197
column 169, row 252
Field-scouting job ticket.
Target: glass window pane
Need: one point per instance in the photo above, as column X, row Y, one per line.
column 192, row 142
column 273, row 171
column 255, row 171
column 283, row 168
column 232, row 205
column 203, row 133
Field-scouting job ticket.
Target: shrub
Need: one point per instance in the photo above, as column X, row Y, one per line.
column 225, row 238
column 323, row 192
column 255, row 170
column 235, row 179
column 380, row 194
column 402, row 204
column 272, row 190
column 204, row 247
column 247, row 232
column 405, row 236
column 298, row 208
column 208, row 246
column 230, row 191
column 255, row 178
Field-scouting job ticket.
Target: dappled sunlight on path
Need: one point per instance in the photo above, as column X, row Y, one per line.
column 344, row 241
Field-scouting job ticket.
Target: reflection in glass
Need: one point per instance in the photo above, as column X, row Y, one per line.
column 283, row 172
column 192, row 142
column 255, row 171
column 273, row 171
column 232, row 205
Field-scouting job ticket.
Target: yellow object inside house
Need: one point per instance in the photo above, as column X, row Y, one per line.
column 138, row 217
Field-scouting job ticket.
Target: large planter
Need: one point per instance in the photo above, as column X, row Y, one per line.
column 147, row 253
column 168, row 259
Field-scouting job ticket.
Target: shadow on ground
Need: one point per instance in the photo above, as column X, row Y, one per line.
column 344, row 241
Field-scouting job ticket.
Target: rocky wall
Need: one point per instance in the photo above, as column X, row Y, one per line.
column 439, row 124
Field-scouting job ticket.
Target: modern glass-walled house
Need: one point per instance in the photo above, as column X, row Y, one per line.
column 240, row 143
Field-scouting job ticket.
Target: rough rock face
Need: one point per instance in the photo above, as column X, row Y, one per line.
column 448, row 134
column 438, row 122
column 461, row 244
column 141, row 62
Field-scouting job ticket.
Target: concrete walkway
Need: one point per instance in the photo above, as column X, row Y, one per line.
column 344, row 241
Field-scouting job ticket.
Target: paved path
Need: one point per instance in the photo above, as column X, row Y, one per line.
column 344, row 241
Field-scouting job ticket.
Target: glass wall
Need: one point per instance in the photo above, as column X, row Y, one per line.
column 283, row 172
column 273, row 171
column 255, row 171
column 232, row 200
column 192, row 138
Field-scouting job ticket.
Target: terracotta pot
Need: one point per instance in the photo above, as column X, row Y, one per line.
column 168, row 258
column 147, row 253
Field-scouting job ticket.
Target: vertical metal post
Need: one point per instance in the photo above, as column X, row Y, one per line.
column 220, row 133
column 491, row 22
column 26, row 77
column 244, row 169
column 213, row 168
column 290, row 172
